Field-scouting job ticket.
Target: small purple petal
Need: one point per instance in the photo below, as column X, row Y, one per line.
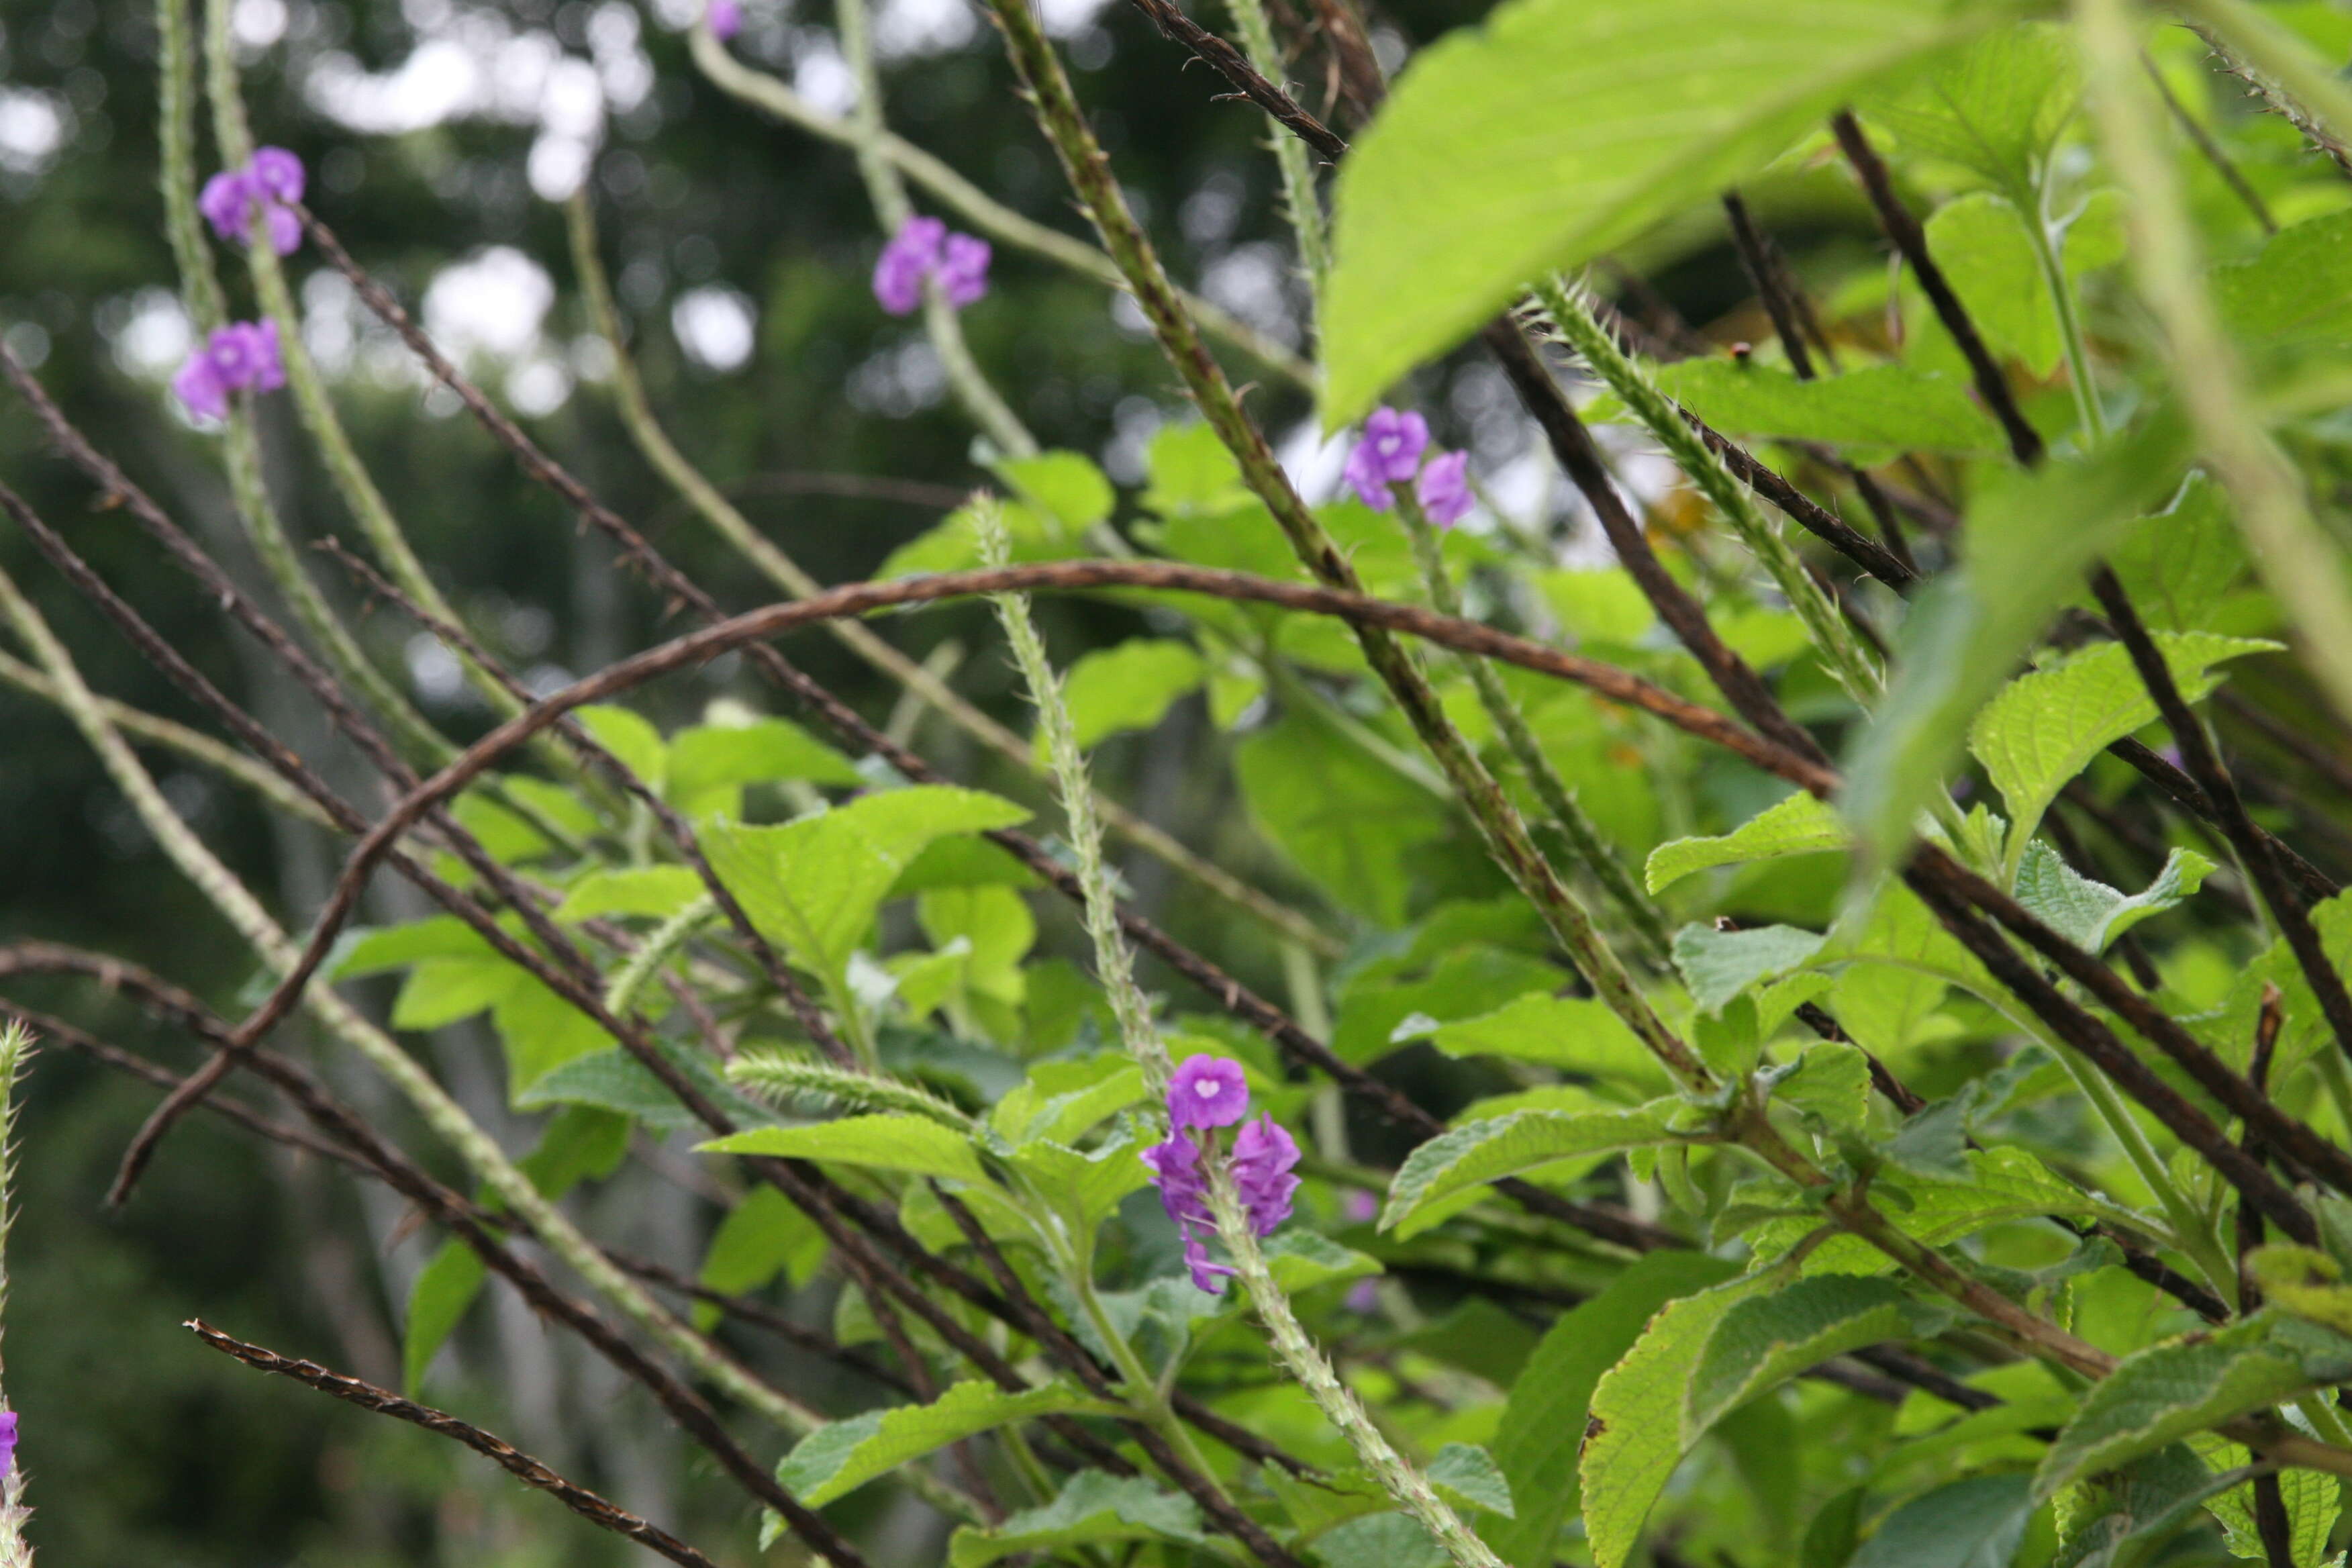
column 236, row 353
column 1443, row 489
column 1264, row 1153
column 1363, row 1296
column 1397, row 441
column 277, row 174
column 285, row 228
column 1207, row 1092
column 1366, row 476
column 1176, row 1172
column 1206, row 1275
column 1360, row 1206
column 963, row 269
column 199, row 388
column 226, row 202
column 726, row 19
column 8, row 1442
column 269, row 365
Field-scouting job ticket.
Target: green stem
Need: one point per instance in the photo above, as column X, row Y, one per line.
column 2296, row 559
column 653, row 441
column 2283, row 68
column 2046, row 256
column 1505, row 835
column 1853, row 667
column 15, row 1050
column 2192, row 1229
column 1567, row 817
column 1301, row 201
column 888, row 194
column 974, row 206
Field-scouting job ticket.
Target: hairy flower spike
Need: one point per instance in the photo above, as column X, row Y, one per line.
column 1207, row 1092
column 1387, row 453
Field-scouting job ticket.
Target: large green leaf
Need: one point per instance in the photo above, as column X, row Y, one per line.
column 1800, row 824
column 446, row 1287
column 1542, row 1424
column 1345, row 818
column 2045, row 727
column 1560, row 128
column 1483, row 1152
column 1091, row 1510
column 1883, row 405
column 2299, row 285
column 842, row 1455
column 1635, row 1437
column 2030, row 535
column 1972, row 1523
column 1765, row 1340
column 1995, row 108
column 2312, row 1501
column 2181, row 563
column 1577, row 1033
column 764, row 1235
column 916, row 1145
column 814, row 884
column 710, row 763
column 375, row 950
column 2090, row 914
column 1131, row 687
column 1717, row 965
column 2166, row 1392
column 659, row 892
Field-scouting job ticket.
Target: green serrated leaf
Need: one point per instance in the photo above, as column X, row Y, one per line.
column 2092, row 914
column 1542, row 1425
column 2299, row 285
column 631, row 738
column 1577, row 1033
column 1525, row 1141
column 1347, row 820
column 1066, row 485
column 1091, row 1510
column 2030, row 535
column 710, row 764
column 1800, row 824
column 1831, row 1081
column 764, row 1235
column 2045, row 727
column 814, row 884
column 1994, row 108
column 1613, row 115
column 1763, row 1342
column 1635, row 1437
column 2166, row 1392
column 376, row 950
column 2179, row 564
column 1718, row 965
column 842, row 1455
column 915, row 1144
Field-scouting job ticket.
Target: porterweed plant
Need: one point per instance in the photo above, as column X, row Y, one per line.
column 1739, row 952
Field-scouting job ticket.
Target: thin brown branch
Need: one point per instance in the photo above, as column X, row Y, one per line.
column 514, row 1461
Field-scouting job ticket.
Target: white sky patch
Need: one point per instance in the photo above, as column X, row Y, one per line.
column 1065, row 17
column 1250, row 281
column 903, row 29
column 538, row 387
column 1314, row 461
column 900, row 381
column 821, row 75
column 433, row 669
column 257, row 24
column 34, row 127
column 715, row 326
column 492, row 303
column 155, row 335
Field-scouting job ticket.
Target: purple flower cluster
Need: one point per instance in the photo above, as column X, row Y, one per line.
column 1207, row 1093
column 8, row 1442
column 1390, row 452
column 923, row 247
column 271, row 183
column 726, row 18
column 240, row 357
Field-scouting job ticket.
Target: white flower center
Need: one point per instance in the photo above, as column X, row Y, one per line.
column 1207, row 1088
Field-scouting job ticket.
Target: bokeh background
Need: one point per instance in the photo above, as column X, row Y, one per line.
column 440, row 135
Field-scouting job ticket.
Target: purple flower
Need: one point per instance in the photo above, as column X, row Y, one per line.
column 1176, row 1172
column 726, row 19
column 1264, row 1153
column 963, row 269
column 1443, row 489
column 277, row 174
column 226, row 202
column 244, row 355
column 199, row 387
column 1360, row 1206
column 1207, row 1092
column 1363, row 1296
column 905, row 261
column 284, row 229
column 8, row 1442
column 1387, row 453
